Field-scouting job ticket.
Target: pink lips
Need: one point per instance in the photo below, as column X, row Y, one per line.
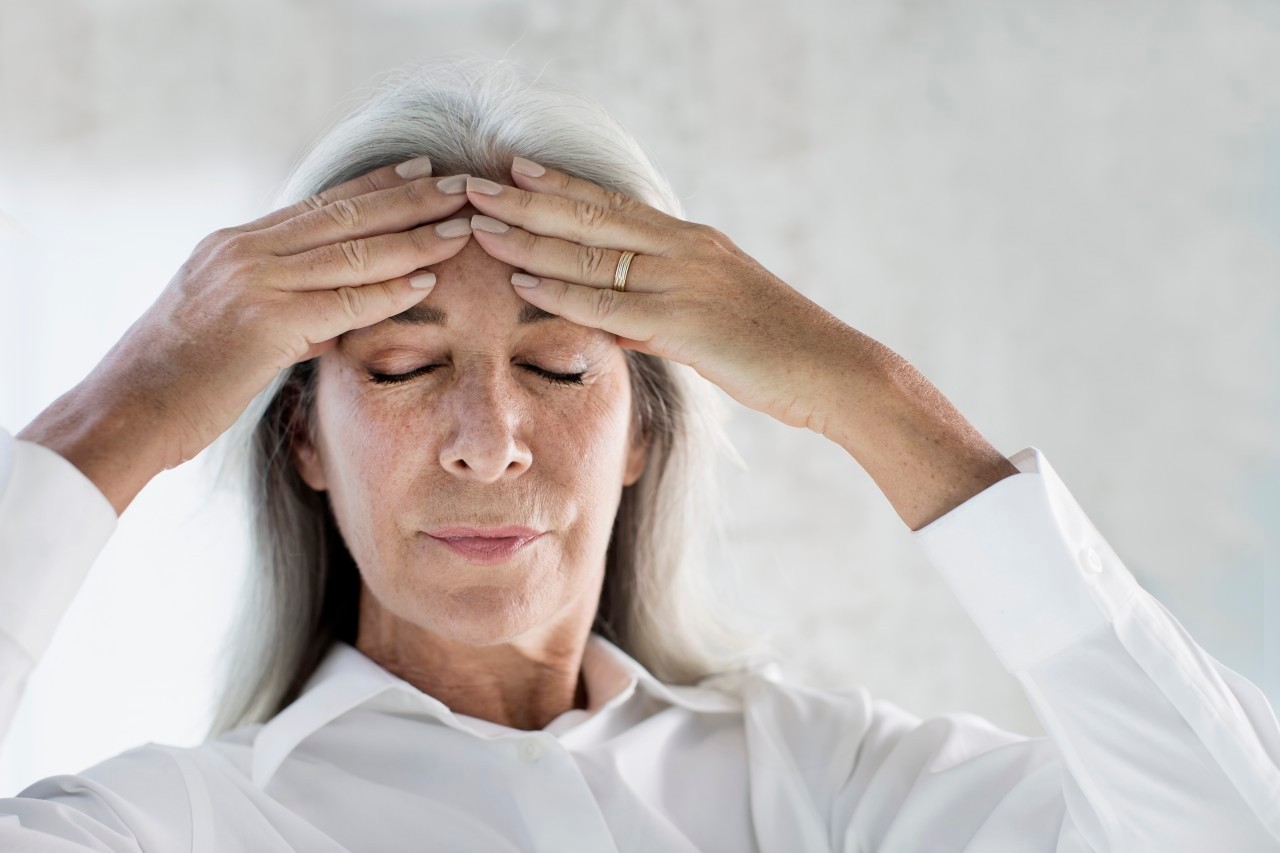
column 486, row 550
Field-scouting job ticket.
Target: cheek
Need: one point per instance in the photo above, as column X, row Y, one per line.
column 578, row 430
column 363, row 441
column 599, row 427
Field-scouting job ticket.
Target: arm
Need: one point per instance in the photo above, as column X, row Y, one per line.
column 917, row 447
column 117, row 443
column 1152, row 744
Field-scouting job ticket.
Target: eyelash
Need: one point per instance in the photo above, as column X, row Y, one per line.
column 397, row 378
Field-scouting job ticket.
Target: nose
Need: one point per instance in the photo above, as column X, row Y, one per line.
column 484, row 443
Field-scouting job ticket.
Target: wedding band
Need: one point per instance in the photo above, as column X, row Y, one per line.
column 620, row 274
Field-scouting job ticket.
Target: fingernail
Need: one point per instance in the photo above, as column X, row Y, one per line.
column 488, row 223
column 527, row 167
column 480, row 185
column 453, row 184
column 418, row 167
column 423, row 281
column 523, row 280
column 454, row 227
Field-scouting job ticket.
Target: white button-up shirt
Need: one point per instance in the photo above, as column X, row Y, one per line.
column 1152, row 745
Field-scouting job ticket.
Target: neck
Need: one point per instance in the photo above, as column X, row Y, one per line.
column 524, row 684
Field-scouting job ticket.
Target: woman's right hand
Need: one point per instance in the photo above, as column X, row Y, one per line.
column 250, row 301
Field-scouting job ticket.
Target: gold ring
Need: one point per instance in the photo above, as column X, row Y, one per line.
column 620, row 274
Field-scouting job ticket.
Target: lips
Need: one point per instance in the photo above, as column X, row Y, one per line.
column 487, row 550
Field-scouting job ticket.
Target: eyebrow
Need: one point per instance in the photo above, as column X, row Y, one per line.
column 428, row 315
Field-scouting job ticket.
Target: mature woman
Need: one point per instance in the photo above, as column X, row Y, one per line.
column 480, row 622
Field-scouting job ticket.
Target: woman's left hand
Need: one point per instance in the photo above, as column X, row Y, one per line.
column 691, row 295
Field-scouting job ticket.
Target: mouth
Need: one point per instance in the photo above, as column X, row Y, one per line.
column 487, row 550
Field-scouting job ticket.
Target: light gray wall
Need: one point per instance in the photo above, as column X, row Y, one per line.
column 1066, row 215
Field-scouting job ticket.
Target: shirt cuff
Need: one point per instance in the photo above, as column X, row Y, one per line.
column 53, row 523
column 1027, row 565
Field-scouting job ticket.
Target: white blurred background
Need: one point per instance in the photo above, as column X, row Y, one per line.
column 1066, row 215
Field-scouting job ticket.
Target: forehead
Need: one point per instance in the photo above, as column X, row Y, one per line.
column 473, row 292
column 430, row 315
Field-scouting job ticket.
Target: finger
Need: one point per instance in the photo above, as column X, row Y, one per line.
column 581, row 221
column 377, row 179
column 327, row 314
column 638, row 346
column 568, row 186
column 383, row 257
column 560, row 259
column 626, row 314
column 379, row 212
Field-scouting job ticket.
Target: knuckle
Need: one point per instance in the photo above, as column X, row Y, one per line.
column 603, row 306
column 707, row 237
column 355, row 253
column 239, row 244
column 524, row 201
column 415, row 192
column 350, row 301
column 588, row 216
column 592, row 262
column 705, row 232
column 222, row 235
column 215, row 239
column 346, row 213
column 313, row 202
column 620, row 202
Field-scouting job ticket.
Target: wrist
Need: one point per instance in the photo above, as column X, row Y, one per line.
column 113, row 439
column 919, row 449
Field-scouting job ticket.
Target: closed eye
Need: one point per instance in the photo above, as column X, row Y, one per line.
column 397, row 378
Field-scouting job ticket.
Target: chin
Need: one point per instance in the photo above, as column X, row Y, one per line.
column 486, row 616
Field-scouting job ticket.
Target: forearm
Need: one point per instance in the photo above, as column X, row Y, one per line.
column 114, row 439
column 917, row 447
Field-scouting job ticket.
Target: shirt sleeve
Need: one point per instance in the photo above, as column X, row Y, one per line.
column 1151, row 743
column 132, row 802
column 53, row 523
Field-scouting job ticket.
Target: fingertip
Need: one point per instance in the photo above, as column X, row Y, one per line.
column 418, row 167
column 525, row 166
column 423, row 282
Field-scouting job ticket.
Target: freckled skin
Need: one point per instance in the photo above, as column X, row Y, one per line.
column 481, row 440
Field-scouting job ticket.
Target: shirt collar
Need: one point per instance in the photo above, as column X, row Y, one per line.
column 346, row 679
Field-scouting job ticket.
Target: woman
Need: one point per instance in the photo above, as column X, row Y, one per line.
column 481, row 625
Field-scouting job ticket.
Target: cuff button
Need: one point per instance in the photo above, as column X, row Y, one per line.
column 1092, row 561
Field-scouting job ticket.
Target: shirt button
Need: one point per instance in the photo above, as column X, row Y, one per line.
column 1092, row 562
column 530, row 750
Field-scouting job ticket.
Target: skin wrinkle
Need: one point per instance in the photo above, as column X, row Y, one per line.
column 481, row 440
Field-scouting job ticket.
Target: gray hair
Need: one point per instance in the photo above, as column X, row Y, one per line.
column 657, row 603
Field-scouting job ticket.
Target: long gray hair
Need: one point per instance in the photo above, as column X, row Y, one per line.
column 657, row 603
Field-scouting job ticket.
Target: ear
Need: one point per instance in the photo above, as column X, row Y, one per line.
column 306, row 458
column 637, row 458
